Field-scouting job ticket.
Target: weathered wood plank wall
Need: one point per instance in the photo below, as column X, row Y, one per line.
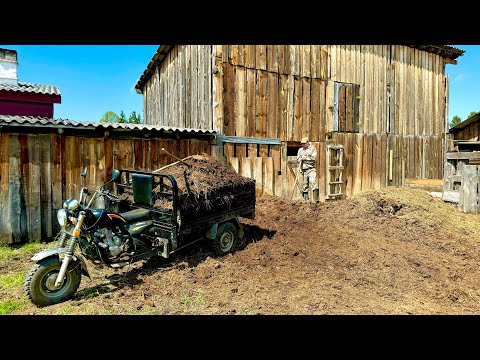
column 272, row 91
column 468, row 133
column 366, row 160
column 367, row 164
column 417, row 87
column 287, row 92
column 180, row 92
column 39, row 171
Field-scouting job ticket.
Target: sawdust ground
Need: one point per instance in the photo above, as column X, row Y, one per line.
column 388, row 251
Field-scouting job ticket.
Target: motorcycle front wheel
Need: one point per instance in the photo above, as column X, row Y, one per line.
column 40, row 280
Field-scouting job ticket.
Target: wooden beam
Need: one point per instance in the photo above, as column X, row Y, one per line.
column 473, row 155
column 451, row 196
column 253, row 140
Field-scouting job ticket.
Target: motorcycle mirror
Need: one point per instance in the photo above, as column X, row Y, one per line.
column 116, row 176
column 84, row 172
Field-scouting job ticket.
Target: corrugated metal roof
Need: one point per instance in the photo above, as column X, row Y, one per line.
column 31, row 88
column 33, row 121
column 446, row 51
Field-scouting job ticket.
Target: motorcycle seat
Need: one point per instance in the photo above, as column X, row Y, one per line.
column 136, row 215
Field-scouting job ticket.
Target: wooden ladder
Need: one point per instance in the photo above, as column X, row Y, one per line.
column 334, row 171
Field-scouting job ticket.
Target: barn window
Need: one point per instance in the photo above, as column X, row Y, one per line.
column 345, row 107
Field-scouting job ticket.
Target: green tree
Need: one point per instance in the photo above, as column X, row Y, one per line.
column 112, row 117
column 122, row 119
column 109, row 117
column 455, row 121
column 134, row 118
column 471, row 114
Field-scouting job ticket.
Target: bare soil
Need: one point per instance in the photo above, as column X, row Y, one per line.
column 388, row 251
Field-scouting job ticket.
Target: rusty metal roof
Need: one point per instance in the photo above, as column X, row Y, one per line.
column 31, row 88
column 33, row 121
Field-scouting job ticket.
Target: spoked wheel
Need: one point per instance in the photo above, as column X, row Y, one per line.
column 40, row 282
column 226, row 240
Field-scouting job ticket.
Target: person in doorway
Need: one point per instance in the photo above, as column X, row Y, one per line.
column 307, row 158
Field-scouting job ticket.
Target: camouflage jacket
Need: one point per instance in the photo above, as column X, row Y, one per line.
column 307, row 157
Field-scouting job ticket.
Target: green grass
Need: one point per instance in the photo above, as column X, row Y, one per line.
column 74, row 310
column 190, row 303
column 9, row 281
column 24, row 250
column 7, row 307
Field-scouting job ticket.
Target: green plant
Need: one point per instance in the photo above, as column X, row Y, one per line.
column 11, row 280
column 7, row 307
column 23, row 250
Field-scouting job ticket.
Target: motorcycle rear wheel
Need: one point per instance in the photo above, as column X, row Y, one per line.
column 41, row 277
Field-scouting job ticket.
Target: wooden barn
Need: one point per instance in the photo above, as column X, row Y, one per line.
column 377, row 114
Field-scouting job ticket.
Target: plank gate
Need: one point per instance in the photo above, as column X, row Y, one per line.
column 256, row 161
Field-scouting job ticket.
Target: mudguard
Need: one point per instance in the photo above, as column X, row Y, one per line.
column 212, row 231
column 60, row 253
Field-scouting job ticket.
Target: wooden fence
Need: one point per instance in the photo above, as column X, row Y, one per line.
column 39, row 171
column 461, row 178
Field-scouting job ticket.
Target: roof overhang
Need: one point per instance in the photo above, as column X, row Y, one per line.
column 23, row 124
column 449, row 53
column 158, row 57
column 472, row 119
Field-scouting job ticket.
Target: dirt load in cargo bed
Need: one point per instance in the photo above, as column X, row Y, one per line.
column 205, row 186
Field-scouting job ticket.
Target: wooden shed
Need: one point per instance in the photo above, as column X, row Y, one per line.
column 41, row 160
column 376, row 113
column 461, row 169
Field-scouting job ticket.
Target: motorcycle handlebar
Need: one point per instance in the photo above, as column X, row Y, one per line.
column 108, row 193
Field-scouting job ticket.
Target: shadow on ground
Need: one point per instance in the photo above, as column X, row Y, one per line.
column 189, row 257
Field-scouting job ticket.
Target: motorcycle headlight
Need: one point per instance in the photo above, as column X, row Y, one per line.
column 62, row 217
column 71, row 204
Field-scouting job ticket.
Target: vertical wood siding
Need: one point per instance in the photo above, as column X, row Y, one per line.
column 180, row 92
column 39, row 171
column 287, row 92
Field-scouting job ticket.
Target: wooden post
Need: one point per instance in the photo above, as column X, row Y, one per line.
column 469, row 194
column 390, row 166
column 15, row 193
column 5, row 226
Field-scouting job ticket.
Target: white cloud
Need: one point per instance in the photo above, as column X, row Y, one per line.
column 459, row 77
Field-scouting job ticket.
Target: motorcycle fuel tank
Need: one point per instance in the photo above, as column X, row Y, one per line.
column 102, row 217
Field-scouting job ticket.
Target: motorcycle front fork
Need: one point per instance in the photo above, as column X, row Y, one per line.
column 71, row 248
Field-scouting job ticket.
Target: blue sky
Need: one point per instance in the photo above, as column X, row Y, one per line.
column 94, row 79
column 464, row 80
